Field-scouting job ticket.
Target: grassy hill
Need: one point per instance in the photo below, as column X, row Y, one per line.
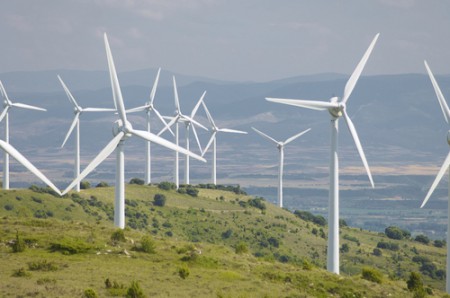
column 216, row 244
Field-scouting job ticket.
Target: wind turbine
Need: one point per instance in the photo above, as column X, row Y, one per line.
column 337, row 108
column 188, row 121
column 280, row 146
column 149, row 108
column 445, row 166
column 7, row 104
column 122, row 129
column 78, row 110
column 212, row 141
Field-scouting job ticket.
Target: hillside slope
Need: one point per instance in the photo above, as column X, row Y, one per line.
column 228, row 245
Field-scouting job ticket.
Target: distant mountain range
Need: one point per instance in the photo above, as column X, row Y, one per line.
column 397, row 116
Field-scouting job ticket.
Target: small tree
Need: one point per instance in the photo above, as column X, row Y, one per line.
column 167, row 185
column 372, row 274
column 439, row 243
column 377, row 252
column 147, row 245
column 345, row 248
column 422, row 239
column 396, row 233
column 241, row 248
column 159, row 200
column 118, row 236
column 415, row 284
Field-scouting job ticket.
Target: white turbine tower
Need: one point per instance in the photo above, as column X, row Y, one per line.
column 280, row 146
column 445, row 166
column 7, row 104
column 337, row 108
column 212, row 141
column 189, row 122
column 148, row 108
column 122, row 130
column 78, row 110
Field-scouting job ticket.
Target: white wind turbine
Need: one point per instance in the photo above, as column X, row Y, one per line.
column 149, row 108
column 280, row 146
column 189, row 122
column 78, row 110
column 7, row 104
column 212, row 141
column 336, row 108
column 445, row 166
column 122, row 130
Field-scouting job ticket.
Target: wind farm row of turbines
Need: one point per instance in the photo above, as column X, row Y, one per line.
column 123, row 129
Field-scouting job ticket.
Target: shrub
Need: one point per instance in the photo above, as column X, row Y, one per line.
column 193, row 192
column 257, row 203
column 42, row 266
column 118, row 236
column 159, row 200
column 439, row 243
column 414, row 282
column 135, row 291
column 90, row 293
column 372, row 274
column 308, row 216
column 147, row 245
column 19, row 244
column 183, row 272
column 8, row 207
column 377, row 252
column 396, row 233
column 273, row 241
column 167, row 185
column 344, row 248
column 21, row 273
column 241, row 248
column 102, row 184
column 85, row 184
column 227, row 234
column 388, row 245
column 137, row 181
column 422, row 239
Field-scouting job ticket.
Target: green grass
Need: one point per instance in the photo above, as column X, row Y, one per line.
column 200, row 233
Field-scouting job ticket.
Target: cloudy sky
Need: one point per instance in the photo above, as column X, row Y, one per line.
column 244, row 40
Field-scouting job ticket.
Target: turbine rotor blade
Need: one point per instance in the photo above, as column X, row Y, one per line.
column 69, row 94
column 232, row 131
column 196, row 138
column 194, row 110
column 72, row 126
column 155, row 84
column 166, row 126
column 296, row 136
column 163, row 142
column 28, row 107
column 438, row 178
column 355, row 137
column 4, row 112
column 265, row 136
column 309, row 104
column 210, row 119
column 175, row 93
column 138, row 109
column 27, row 164
column 189, row 119
column 357, row 72
column 98, row 110
column 3, row 91
column 172, row 122
column 213, row 135
column 115, row 86
column 109, row 148
column 440, row 96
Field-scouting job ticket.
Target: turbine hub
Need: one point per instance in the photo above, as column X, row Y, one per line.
column 119, row 127
column 448, row 137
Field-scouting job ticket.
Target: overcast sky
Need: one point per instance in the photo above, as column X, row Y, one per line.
column 244, row 40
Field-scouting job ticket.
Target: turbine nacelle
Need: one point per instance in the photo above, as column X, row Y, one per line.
column 336, row 111
column 448, row 137
column 118, row 127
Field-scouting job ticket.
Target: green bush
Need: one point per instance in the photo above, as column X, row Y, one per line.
column 90, row 293
column 21, row 273
column 241, row 248
column 118, row 236
column 85, row 184
column 19, row 244
column 439, row 243
column 422, row 239
column 42, row 266
column 135, row 291
column 137, row 181
column 308, row 216
column 8, row 207
column 183, row 272
column 344, row 248
column 396, row 233
column 257, row 203
column 102, row 184
column 377, row 252
column 147, row 245
column 388, row 245
column 414, row 282
column 167, row 185
column 372, row 274
column 159, row 200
